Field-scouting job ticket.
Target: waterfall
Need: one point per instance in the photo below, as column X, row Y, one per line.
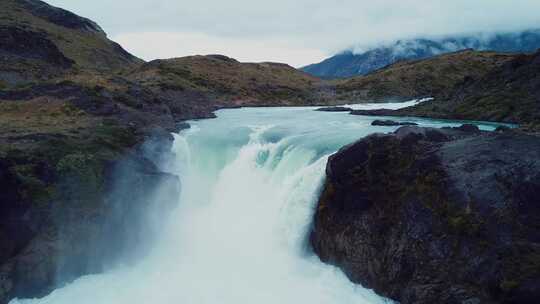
column 250, row 180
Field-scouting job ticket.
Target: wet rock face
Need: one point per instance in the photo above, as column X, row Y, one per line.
column 435, row 215
column 81, row 233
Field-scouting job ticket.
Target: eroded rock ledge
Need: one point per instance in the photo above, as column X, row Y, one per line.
column 435, row 215
column 80, row 216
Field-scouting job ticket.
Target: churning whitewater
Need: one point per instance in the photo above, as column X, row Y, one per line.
column 250, row 180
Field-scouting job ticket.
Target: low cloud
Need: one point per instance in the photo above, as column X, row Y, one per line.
column 313, row 26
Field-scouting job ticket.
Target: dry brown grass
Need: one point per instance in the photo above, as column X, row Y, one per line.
column 43, row 115
column 430, row 77
column 228, row 78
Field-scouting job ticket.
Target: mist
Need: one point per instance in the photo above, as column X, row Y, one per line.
column 519, row 41
column 112, row 225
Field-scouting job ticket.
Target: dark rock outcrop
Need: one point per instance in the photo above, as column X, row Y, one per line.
column 334, row 109
column 31, row 45
column 378, row 122
column 376, row 112
column 435, row 215
column 97, row 216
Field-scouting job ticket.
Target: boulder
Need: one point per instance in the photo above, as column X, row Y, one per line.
column 334, row 109
column 428, row 215
column 468, row 128
column 392, row 123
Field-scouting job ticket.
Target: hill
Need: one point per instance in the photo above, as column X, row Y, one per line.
column 510, row 92
column 227, row 82
column 434, row 77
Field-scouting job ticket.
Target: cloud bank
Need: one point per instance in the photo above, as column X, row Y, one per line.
column 304, row 28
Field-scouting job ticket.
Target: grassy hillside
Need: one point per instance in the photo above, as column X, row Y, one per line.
column 434, row 77
column 229, row 82
column 510, row 92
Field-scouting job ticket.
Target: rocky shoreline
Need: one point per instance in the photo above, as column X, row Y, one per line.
column 435, row 215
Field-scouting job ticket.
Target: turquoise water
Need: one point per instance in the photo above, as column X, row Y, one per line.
column 250, row 181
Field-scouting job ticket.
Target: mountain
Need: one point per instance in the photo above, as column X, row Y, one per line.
column 350, row 63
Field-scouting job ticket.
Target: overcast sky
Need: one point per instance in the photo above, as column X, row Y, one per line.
column 297, row 32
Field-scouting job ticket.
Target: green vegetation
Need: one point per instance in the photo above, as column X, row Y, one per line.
column 76, row 166
column 32, row 188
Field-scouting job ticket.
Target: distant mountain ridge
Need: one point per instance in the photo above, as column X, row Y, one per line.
column 351, row 63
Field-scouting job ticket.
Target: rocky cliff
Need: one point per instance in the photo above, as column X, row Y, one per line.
column 63, row 149
column 435, row 216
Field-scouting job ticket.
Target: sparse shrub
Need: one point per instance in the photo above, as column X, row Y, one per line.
column 508, row 285
column 71, row 110
column 12, row 107
column 24, row 85
column 67, row 83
